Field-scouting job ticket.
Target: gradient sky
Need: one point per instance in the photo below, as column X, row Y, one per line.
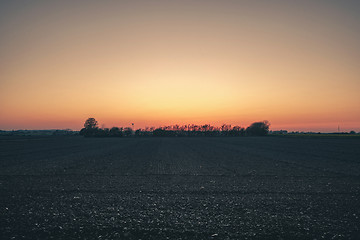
column 294, row 63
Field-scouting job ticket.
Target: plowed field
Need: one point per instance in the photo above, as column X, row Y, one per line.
column 179, row 188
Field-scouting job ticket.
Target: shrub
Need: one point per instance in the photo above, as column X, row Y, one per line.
column 258, row 129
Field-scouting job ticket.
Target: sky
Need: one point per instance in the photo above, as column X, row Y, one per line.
column 152, row 63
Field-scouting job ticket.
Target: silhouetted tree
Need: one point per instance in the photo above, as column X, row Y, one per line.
column 90, row 128
column 90, row 123
column 138, row 133
column 82, row 132
column 115, row 132
column 236, row 131
column 128, row 132
column 258, row 128
column 159, row 132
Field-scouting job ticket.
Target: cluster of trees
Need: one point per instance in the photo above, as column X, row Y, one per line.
column 91, row 129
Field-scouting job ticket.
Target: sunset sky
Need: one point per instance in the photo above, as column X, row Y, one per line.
column 294, row 63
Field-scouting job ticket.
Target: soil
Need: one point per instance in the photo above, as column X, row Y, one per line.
column 179, row 188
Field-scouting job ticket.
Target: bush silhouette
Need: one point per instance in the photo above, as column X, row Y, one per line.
column 258, row 129
column 115, row 132
column 128, row 132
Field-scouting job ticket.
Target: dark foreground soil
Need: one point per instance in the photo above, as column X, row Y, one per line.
column 179, row 188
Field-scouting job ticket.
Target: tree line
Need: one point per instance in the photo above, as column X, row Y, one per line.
column 91, row 129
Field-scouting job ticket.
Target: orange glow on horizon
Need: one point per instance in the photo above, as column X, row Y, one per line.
column 161, row 63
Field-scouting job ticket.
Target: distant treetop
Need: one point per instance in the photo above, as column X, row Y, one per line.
column 90, row 123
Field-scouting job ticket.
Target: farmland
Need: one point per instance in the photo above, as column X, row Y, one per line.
column 179, row 188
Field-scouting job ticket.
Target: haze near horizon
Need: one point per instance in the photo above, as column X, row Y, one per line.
column 156, row 63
